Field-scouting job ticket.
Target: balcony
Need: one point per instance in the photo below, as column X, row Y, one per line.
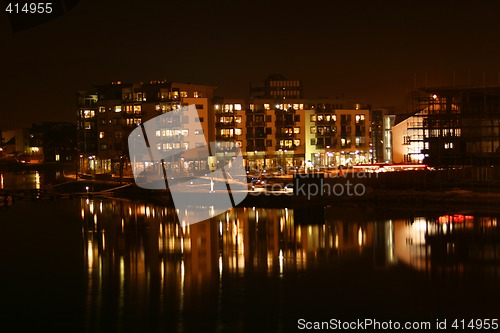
column 224, row 137
column 225, row 124
column 287, row 136
column 256, row 123
column 281, row 123
column 283, row 148
column 256, row 148
column 248, row 111
column 256, row 135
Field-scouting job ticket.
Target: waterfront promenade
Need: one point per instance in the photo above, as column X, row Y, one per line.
column 405, row 189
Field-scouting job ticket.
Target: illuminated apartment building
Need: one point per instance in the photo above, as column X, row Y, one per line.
column 273, row 134
column 338, row 134
column 276, row 86
column 108, row 115
column 270, row 134
column 280, row 133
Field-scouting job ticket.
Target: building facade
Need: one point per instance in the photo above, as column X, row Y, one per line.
column 451, row 126
column 276, row 86
column 323, row 133
column 278, row 134
column 109, row 114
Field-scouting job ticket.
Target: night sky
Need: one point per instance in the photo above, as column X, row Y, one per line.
column 368, row 50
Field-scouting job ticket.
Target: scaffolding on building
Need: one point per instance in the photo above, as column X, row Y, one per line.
column 456, row 129
column 455, row 126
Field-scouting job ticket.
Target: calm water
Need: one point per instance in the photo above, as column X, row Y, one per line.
column 102, row 265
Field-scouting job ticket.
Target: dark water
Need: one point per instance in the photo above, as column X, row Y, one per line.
column 102, row 265
column 26, row 180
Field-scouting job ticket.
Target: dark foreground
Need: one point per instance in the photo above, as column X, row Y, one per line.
column 105, row 265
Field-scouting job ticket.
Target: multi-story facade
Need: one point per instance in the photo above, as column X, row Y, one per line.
column 451, row 126
column 53, row 142
column 338, row 133
column 108, row 115
column 382, row 124
column 276, row 86
column 275, row 134
column 269, row 132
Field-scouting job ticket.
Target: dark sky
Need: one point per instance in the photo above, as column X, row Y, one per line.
column 368, row 50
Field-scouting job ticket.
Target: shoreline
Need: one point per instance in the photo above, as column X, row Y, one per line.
column 450, row 198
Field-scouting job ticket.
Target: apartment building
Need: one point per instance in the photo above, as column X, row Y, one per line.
column 277, row 134
column 108, row 114
column 268, row 132
column 276, row 86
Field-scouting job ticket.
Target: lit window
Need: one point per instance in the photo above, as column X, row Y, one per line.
column 198, row 132
column 296, row 142
column 266, row 107
column 102, row 109
column 195, row 94
column 360, row 118
column 118, row 108
column 101, row 135
column 137, row 109
column 184, row 94
column 296, row 130
column 88, row 113
column 237, row 131
column 237, row 107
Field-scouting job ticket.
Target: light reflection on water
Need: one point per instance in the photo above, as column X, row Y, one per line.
column 129, row 266
column 26, row 180
column 140, row 259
